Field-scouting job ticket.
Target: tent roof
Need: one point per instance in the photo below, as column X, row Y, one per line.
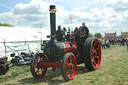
column 12, row 34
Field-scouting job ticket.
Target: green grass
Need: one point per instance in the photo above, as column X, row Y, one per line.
column 113, row 71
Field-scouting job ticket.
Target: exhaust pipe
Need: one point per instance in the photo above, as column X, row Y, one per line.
column 52, row 11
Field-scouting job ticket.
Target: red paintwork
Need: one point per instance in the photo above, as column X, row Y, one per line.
column 50, row 64
column 69, row 48
column 70, row 67
column 96, row 58
column 38, row 69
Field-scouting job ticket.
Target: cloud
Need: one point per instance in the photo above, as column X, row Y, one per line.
column 54, row 1
column 81, row 8
column 34, row 14
column 62, row 15
column 26, row 9
column 118, row 5
column 113, row 16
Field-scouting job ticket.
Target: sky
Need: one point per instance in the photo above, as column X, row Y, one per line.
column 100, row 16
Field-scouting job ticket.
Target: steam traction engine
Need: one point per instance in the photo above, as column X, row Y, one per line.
column 66, row 52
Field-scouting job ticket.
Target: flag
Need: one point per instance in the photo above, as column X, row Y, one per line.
column 70, row 17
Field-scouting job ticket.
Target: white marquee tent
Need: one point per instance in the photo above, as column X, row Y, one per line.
column 21, row 34
column 18, row 36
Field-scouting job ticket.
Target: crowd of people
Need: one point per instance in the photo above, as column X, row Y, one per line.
column 105, row 43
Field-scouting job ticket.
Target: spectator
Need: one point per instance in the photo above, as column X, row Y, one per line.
column 110, row 41
column 103, row 43
column 127, row 43
column 107, row 43
column 123, row 41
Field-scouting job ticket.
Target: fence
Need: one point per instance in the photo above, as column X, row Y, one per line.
column 6, row 48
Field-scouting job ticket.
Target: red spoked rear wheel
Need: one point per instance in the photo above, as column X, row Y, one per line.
column 37, row 70
column 92, row 53
column 96, row 54
column 69, row 66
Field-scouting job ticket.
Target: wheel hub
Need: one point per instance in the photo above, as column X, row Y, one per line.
column 95, row 53
column 71, row 66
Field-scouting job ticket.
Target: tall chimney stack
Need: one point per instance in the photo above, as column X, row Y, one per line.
column 52, row 19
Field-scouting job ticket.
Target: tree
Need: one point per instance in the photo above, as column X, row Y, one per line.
column 98, row 35
column 90, row 35
column 6, row 24
column 119, row 37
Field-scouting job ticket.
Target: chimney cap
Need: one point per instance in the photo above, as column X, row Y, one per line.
column 52, row 7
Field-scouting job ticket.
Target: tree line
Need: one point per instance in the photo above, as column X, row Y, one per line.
column 99, row 35
column 6, row 24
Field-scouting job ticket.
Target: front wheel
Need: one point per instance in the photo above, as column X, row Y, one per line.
column 69, row 66
column 37, row 70
column 92, row 53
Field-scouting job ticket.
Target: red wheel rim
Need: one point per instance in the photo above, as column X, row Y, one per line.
column 38, row 69
column 70, row 67
column 96, row 54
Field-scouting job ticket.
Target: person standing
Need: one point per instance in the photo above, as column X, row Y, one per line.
column 123, row 41
column 75, row 34
column 127, row 43
column 120, row 42
column 103, row 43
column 85, row 29
column 83, row 33
column 107, row 43
column 59, row 33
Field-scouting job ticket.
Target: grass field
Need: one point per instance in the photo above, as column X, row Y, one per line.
column 113, row 71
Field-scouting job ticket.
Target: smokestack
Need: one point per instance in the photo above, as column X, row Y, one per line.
column 52, row 19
